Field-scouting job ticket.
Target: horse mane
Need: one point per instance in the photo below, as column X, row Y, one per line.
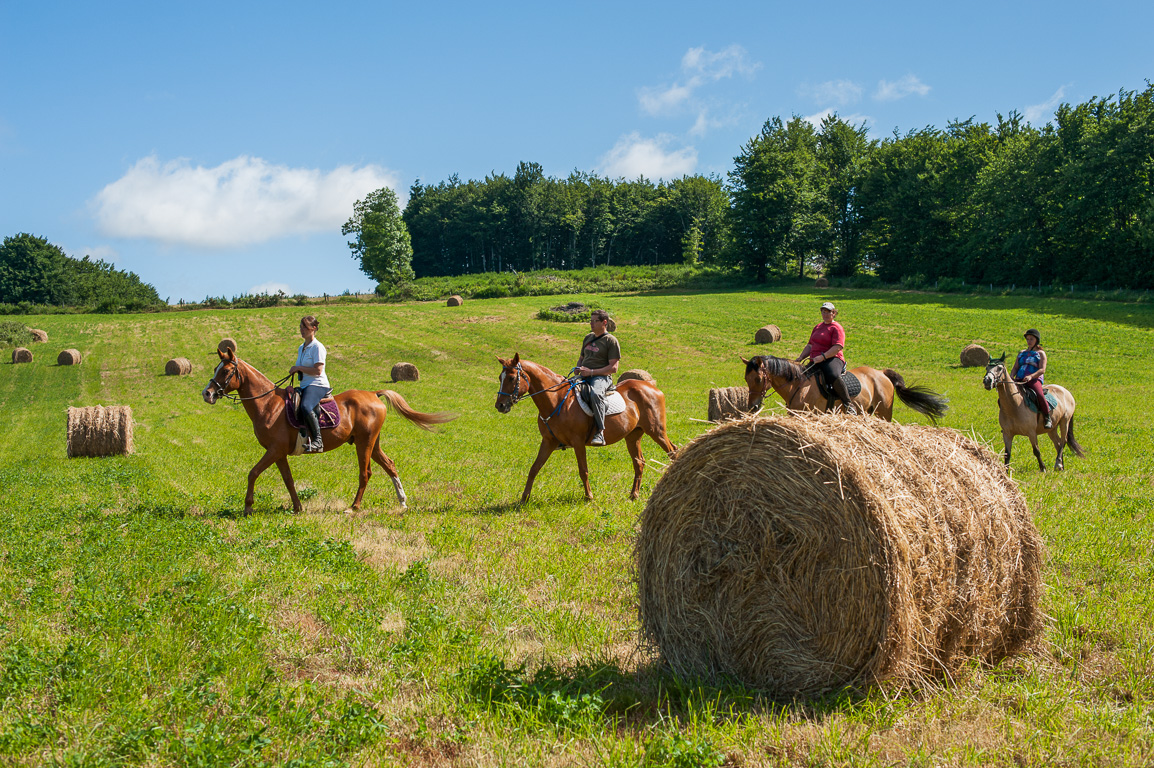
column 776, row 366
column 542, row 369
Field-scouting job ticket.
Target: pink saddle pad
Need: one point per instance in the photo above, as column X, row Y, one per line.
column 330, row 412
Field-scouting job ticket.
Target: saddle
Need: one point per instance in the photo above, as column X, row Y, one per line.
column 614, row 402
column 1032, row 398
column 329, row 417
column 852, row 385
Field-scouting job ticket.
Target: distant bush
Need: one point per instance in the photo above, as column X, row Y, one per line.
column 14, row 334
column 573, row 312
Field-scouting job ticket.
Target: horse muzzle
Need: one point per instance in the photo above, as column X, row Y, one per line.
column 209, row 394
column 504, row 406
column 987, row 382
column 755, row 406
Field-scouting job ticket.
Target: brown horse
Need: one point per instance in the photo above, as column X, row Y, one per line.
column 801, row 393
column 362, row 416
column 1016, row 418
column 563, row 424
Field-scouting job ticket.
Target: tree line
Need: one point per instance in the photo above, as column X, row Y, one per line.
column 1006, row 202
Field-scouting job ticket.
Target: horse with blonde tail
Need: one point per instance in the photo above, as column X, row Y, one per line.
column 1015, row 416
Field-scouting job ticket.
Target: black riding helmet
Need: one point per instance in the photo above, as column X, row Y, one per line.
column 1033, row 332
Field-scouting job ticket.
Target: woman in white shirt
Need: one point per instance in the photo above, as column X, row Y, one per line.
column 314, row 383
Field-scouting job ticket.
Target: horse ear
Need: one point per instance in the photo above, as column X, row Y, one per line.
column 742, row 359
column 231, row 354
column 504, row 363
column 516, row 358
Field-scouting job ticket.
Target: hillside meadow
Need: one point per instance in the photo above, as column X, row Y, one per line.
column 145, row 621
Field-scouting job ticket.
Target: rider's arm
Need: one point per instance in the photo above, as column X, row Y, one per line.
column 831, row 352
column 307, row 370
column 804, row 354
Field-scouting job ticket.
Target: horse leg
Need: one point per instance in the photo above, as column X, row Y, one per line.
column 1008, row 439
column 286, row 474
column 366, row 471
column 265, row 462
column 583, row 470
column 543, row 454
column 633, row 442
column 391, row 470
column 1037, row 453
column 1058, row 435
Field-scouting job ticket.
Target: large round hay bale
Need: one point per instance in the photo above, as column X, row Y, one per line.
column 69, row 357
column 178, row 366
column 821, row 282
column 635, row 373
column 728, row 403
column 455, row 301
column 804, row 554
column 406, row 372
column 38, row 335
column 100, row 431
column 767, row 335
column 974, row 356
column 226, row 343
column 21, row 355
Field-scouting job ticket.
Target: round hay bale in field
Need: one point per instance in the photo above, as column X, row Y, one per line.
column 69, row 357
column 803, row 554
column 455, row 301
column 728, row 403
column 821, row 282
column 974, row 355
column 21, row 355
column 406, row 372
column 226, row 343
column 635, row 373
column 38, row 335
column 178, row 366
column 611, row 326
column 767, row 335
column 100, row 431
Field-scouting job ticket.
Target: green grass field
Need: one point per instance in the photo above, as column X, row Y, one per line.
column 145, row 621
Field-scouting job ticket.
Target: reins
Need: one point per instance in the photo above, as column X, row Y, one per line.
column 516, row 397
column 237, row 398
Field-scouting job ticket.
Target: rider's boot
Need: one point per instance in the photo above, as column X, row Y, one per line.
column 843, row 395
column 1047, row 422
column 313, row 425
column 598, row 432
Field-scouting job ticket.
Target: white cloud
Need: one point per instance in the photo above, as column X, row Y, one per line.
column 635, row 156
column 855, row 119
column 909, row 85
column 242, row 201
column 837, row 91
column 271, row 288
column 1037, row 112
column 701, row 68
column 103, row 252
column 659, row 102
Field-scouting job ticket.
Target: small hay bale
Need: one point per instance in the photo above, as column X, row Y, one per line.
column 100, row 431
column 803, row 554
column 821, row 282
column 406, row 372
column 728, row 403
column 974, row 356
column 226, row 343
column 767, row 335
column 21, row 355
column 178, row 366
column 611, row 326
column 635, row 373
column 69, row 357
column 38, row 335
column 455, row 301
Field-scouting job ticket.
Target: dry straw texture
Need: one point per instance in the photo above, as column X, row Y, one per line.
column 728, row 403
column 821, row 282
column 100, row 431
column 974, row 356
column 767, row 335
column 455, row 301
column 226, row 343
column 21, row 355
column 406, row 372
column 635, row 373
column 178, row 366
column 38, row 335
column 68, row 357
column 804, row 554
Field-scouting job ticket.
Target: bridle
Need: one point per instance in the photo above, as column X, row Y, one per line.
column 219, row 388
column 515, row 396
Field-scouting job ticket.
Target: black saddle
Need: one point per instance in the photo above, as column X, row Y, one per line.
column 852, row 385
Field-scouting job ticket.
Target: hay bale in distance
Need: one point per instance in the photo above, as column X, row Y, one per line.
column 406, row 372
column 455, row 301
column 767, row 335
column 226, row 343
column 635, row 373
column 100, row 431
column 821, row 282
column 178, row 366
column 69, row 357
column 38, row 335
column 802, row 554
column 974, row 355
column 728, row 403
column 21, row 355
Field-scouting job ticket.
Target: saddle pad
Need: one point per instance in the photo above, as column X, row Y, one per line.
column 614, row 404
column 852, row 384
column 329, row 418
column 1030, row 396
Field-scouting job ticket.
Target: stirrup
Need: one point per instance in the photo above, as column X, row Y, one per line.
column 598, row 439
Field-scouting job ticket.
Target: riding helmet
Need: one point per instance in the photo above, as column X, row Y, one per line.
column 1033, row 332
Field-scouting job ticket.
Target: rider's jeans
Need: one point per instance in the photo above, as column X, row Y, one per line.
column 598, row 386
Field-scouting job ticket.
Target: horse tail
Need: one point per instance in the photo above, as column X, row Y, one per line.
column 422, row 420
column 1070, row 441
column 922, row 399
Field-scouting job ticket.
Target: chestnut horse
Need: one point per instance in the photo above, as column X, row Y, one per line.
column 801, row 393
column 1016, row 418
column 563, row 424
column 362, row 416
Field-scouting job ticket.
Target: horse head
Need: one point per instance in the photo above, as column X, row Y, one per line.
column 225, row 378
column 995, row 371
column 757, row 379
column 513, row 383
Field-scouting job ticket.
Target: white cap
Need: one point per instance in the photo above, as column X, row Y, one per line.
column 829, row 305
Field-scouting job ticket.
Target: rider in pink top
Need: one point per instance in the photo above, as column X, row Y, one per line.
column 824, row 350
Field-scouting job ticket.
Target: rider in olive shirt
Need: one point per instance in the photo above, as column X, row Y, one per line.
column 600, row 354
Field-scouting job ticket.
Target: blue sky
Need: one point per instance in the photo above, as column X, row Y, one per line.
column 216, row 148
